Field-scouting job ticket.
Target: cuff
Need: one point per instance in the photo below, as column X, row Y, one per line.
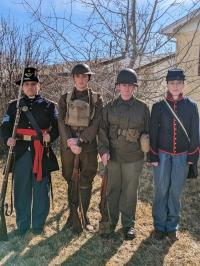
column 153, row 156
column 193, row 156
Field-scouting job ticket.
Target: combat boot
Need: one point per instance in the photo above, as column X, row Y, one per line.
column 85, row 200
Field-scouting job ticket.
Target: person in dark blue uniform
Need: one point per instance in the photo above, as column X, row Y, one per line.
column 34, row 158
column 172, row 152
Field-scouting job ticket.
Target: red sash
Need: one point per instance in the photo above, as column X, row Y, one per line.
column 39, row 149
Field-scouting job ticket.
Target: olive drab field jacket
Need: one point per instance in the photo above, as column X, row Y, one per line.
column 68, row 127
column 123, row 122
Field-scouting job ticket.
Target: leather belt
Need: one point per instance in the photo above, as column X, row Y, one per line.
column 26, row 137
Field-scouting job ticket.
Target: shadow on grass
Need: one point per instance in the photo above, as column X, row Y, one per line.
column 150, row 252
column 96, row 251
column 190, row 208
column 190, row 201
column 16, row 245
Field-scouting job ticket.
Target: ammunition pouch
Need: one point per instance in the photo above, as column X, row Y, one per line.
column 131, row 135
column 78, row 114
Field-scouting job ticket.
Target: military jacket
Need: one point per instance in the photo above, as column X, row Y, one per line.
column 119, row 119
column 167, row 135
column 46, row 116
column 87, row 134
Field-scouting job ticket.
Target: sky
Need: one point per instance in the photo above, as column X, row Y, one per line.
column 16, row 10
column 22, row 17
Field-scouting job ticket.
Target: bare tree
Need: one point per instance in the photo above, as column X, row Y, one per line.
column 111, row 29
column 17, row 51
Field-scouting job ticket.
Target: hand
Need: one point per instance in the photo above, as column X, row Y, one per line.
column 71, row 142
column 190, row 162
column 154, row 164
column 46, row 137
column 11, row 142
column 76, row 149
column 105, row 158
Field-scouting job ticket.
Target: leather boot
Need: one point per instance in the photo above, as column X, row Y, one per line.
column 85, row 199
column 70, row 218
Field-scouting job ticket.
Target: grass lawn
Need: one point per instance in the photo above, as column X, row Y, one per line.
column 58, row 246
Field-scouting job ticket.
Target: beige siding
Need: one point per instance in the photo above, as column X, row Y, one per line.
column 187, row 57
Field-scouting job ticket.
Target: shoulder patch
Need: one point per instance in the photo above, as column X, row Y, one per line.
column 6, row 118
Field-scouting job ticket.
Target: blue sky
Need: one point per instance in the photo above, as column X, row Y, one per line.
column 16, row 10
column 22, row 16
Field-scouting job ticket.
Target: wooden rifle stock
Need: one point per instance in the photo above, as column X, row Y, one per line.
column 77, row 226
column 3, row 227
column 103, row 202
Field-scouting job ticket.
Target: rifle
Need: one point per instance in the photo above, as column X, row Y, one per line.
column 104, row 224
column 78, row 222
column 103, row 202
column 3, row 206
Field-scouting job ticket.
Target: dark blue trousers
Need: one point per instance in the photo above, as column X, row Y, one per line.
column 31, row 198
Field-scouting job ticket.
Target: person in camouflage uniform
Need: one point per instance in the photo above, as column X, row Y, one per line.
column 79, row 117
column 123, row 122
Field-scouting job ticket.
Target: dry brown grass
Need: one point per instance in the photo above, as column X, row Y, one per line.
column 58, row 246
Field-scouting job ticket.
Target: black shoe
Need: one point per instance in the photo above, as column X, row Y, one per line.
column 158, row 235
column 109, row 232
column 129, row 233
column 69, row 222
column 21, row 233
column 172, row 236
column 37, row 231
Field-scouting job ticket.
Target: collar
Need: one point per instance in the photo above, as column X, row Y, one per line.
column 129, row 102
column 77, row 92
column 170, row 98
column 32, row 98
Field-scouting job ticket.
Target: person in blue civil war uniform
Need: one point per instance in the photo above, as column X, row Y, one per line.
column 34, row 158
column 172, row 153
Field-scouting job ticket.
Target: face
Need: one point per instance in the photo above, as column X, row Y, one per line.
column 81, row 81
column 30, row 88
column 126, row 90
column 175, row 87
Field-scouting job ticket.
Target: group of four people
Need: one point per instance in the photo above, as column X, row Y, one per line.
column 86, row 128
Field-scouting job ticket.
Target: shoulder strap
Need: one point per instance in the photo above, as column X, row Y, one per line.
column 94, row 97
column 181, row 124
column 31, row 118
column 69, row 96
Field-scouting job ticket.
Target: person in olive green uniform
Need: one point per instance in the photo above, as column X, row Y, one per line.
column 123, row 123
column 78, row 121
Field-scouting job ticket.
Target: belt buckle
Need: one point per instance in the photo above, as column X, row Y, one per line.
column 26, row 137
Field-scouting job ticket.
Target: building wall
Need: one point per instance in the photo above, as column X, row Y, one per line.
column 152, row 80
column 188, row 57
